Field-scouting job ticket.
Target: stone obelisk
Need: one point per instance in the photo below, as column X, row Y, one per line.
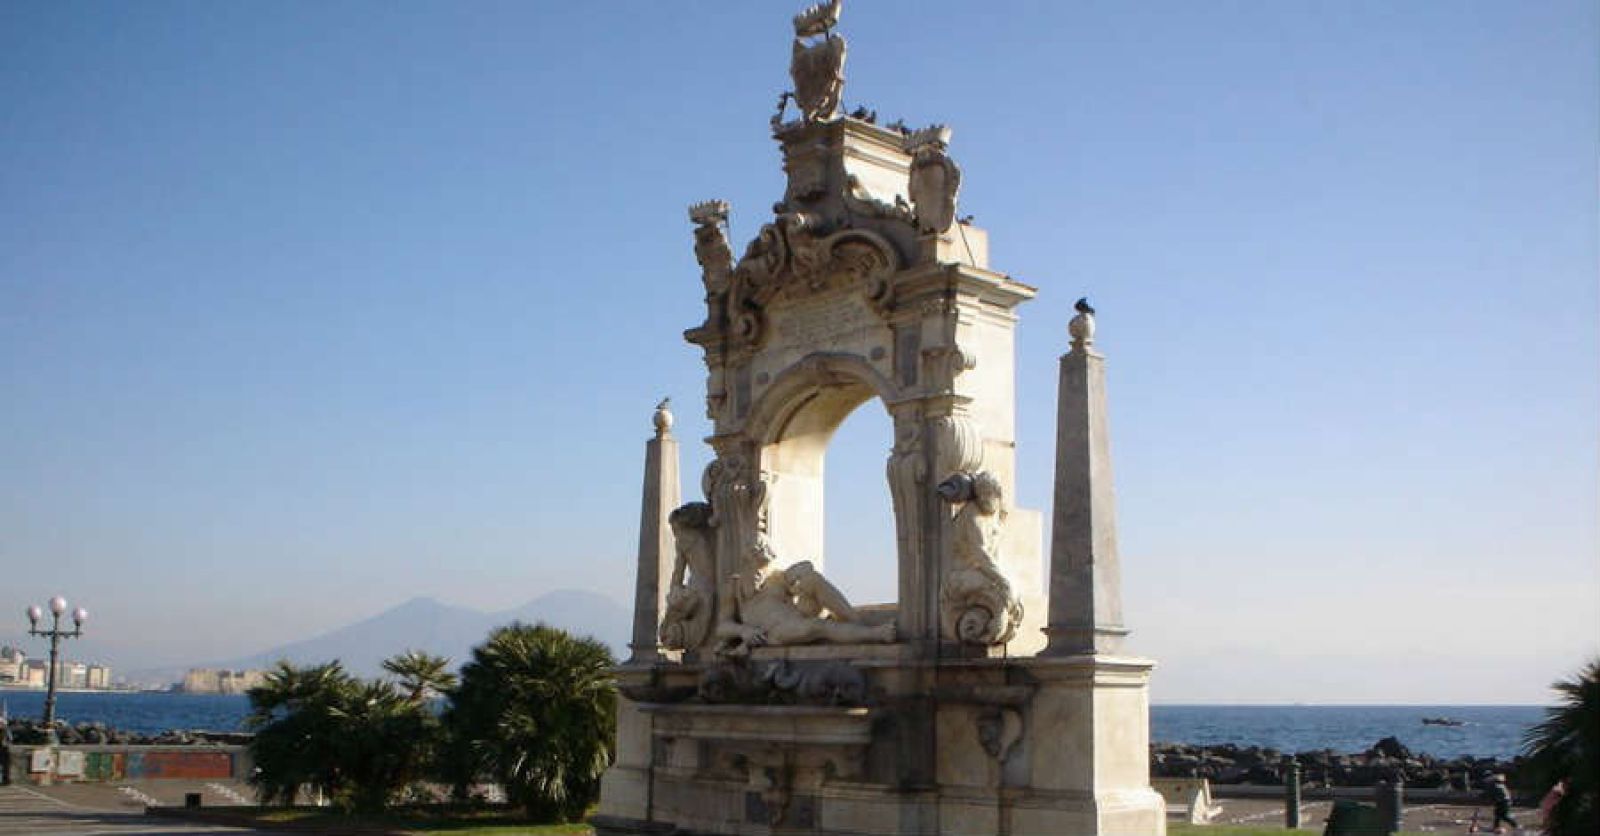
column 656, row 549
column 1085, row 574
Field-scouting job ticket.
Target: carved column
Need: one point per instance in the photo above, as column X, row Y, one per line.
column 737, row 493
column 1085, row 572
column 656, row 549
column 909, row 490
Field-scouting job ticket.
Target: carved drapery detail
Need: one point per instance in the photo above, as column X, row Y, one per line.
column 976, row 603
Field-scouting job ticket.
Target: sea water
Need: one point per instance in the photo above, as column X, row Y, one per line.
column 1486, row 731
column 144, row 712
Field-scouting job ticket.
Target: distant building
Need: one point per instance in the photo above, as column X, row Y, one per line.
column 12, row 660
column 17, row 669
column 213, row 681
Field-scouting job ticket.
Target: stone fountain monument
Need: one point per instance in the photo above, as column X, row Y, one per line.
column 991, row 696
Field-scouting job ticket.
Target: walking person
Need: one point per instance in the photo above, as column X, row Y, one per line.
column 1500, row 795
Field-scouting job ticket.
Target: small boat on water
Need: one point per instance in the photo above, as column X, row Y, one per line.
column 1442, row 721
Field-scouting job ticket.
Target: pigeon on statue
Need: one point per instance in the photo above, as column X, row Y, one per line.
column 1083, row 306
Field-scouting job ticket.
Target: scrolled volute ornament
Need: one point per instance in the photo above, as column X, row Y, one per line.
column 959, row 443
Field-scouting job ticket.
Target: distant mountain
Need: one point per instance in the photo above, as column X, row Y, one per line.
column 435, row 627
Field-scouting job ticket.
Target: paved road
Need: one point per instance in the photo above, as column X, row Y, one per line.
column 1419, row 817
column 26, row 811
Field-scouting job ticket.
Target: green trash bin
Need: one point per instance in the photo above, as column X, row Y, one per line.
column 1352, row 818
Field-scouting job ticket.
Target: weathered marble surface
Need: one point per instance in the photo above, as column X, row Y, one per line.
column 1085, row 569
column 661, row 495
column 781, row 705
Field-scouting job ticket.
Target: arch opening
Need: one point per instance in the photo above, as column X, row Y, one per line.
column 859, row 527
column 794, row 459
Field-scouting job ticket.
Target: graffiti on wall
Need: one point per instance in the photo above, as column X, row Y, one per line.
column 131, row 765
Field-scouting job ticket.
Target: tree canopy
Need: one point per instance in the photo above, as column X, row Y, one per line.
column 536, row 712
column 357, row 742
column 1566, row 748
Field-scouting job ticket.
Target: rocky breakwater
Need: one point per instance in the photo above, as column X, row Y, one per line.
column 23, row 732
column 1228, row 763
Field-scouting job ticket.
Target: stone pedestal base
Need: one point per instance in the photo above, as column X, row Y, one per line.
column 949, row 748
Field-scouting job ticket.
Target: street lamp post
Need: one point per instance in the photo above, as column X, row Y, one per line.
column 58, row 606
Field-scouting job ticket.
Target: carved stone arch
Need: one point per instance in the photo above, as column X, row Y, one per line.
column 790, row 426
column 798, row 386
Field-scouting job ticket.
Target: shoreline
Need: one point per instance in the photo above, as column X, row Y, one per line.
column 29, row 689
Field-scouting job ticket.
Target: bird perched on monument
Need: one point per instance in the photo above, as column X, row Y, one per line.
column 1082, row 306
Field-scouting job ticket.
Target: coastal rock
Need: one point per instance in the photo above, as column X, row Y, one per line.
column 30, row 732
column 1229, row 763
column 1390, row 747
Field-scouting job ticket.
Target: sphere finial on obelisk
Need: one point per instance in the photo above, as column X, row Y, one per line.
column 662, row 418
column 1081, row 328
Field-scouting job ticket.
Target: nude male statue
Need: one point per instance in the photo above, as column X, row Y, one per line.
column 796, row 605
column 690, row 591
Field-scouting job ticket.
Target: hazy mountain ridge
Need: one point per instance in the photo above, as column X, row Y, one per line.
column 430, row 625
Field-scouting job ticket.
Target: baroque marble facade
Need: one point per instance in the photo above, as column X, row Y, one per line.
column 988, row 697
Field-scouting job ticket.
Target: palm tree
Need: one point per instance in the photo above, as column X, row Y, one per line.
column 292, row 715
column 358, row 742
column 287, row 687
column 1566, row 747
column 421, row 674
column 536, row 711
column 383, row 743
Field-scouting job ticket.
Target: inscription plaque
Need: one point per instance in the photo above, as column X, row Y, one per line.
column 827, row 322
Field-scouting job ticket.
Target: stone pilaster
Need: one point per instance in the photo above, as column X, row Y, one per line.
column 1085, row 573
column 662, row 494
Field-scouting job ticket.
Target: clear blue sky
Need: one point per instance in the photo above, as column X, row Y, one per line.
column 306, row 309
